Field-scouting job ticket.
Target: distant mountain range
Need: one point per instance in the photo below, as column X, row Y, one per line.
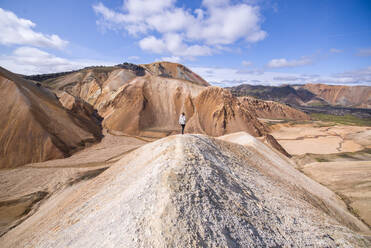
column 309, row 94
column 314, row 98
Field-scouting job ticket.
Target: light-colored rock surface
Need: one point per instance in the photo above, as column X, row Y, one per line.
column 192, row 191
column 350, row 179
column 24, row 189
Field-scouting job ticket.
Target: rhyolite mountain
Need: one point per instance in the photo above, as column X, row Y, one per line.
column 63, row 112
column 309, row 94
column 190, row 190
column 348, row 96
column 34, row 126
column 146, row 100
column 285, row 94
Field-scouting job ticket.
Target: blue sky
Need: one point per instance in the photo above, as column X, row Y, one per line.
column 226, row 42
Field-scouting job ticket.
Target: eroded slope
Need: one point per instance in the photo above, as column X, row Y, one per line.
column 35, row 127
column 189, row 191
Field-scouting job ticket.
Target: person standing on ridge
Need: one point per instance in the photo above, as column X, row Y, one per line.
column 182, row 121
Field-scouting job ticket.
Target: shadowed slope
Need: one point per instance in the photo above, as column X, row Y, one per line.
column 193, row 191
column 217, row 113
column 35, row 127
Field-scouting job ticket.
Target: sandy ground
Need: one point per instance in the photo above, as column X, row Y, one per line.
column 349, row 179
column 112, row 147
column 25, row 188
column 333, row 156
column 312, row 138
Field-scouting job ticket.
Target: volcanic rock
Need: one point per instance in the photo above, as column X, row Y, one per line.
column 293, row 95
column 150, row 105
column 348, row 96
column 174, row 70
column 272, row 110
column 34, row 125
column 217, row 112
column 194, row 191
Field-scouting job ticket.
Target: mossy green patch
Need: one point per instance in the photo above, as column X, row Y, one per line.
column 344, row 120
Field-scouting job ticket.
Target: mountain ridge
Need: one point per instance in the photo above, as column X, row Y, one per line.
column 193, row 190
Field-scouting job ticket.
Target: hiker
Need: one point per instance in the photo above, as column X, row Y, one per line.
column 182, row 121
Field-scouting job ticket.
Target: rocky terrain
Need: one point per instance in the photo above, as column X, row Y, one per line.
column 143, row 186
column 35, row 126
column 174, row 70
column 272, row 110
column 309, row 94
column 189, row 191
column 148, row 101
column 347, row 96
column 314, row 98
column 296, row 96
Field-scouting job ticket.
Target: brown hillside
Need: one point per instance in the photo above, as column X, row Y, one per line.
column 272, row 110
column 174, row 70
column 349, row 96
column 150, row 104
column 35, row 127
column 217, row 113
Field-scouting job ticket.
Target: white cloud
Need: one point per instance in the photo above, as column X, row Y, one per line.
column 360, row 76
column 152, row 44
column 174, row 59
column 30, row 60
column 364, row 52
column 172, row 43
column 280, row 63
column 164, row 28
column 334, row 50
column 133, row 57
column 246, row 63
column 18, row 31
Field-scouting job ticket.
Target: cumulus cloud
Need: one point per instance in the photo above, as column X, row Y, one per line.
column 172, row 43
column 174, row 59
column 19, row 31
column 164, row 28
column 364, row 52
column 334, row 50
column 280, row 63
column 30, row 60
